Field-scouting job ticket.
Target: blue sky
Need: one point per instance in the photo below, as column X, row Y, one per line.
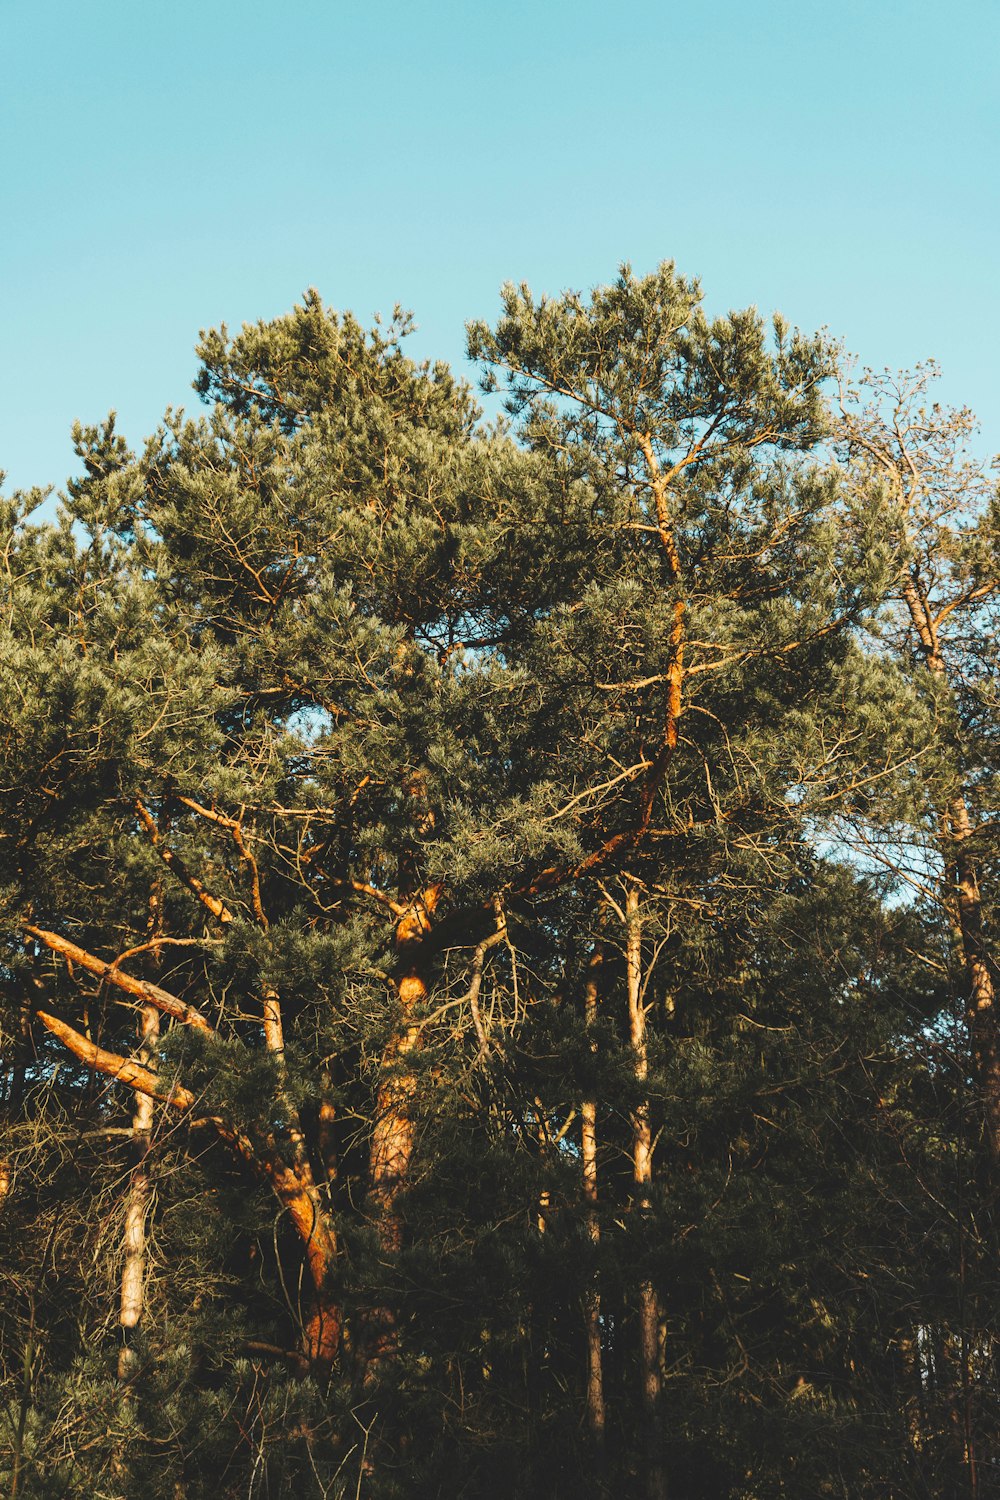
column 168, row 167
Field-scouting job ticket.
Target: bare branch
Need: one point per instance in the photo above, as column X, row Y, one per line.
column 121, row 1069
column 177, row 867
column 140, row 989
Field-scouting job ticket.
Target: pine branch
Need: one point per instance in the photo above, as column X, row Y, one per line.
column 121, row 1069
column 141, row 989
column 177, row 867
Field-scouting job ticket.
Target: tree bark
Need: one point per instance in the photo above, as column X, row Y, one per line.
column 295, row 1183
column 596, row 1417
column 642, row 1171
column 393, row 1136
column 137, row 1208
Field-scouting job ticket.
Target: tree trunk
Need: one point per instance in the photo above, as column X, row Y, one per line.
column 140, row 1193
column 390, row 1158
column 393, row 1135
column 642, row 1171
column 295, row 1184
column 592, row 1297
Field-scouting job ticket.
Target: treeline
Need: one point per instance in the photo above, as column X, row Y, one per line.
column 499, row 925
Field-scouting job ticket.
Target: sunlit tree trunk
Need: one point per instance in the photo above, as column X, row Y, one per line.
column 642, row 1172
column 321, row 1318
column 140, row 1192
column 393, row 1135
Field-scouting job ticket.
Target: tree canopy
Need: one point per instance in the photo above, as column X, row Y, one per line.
column 498, row 913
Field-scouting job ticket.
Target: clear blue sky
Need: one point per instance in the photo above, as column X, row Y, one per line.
column 168, row 167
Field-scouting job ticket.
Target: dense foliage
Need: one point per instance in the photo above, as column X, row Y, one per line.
column 498, row 979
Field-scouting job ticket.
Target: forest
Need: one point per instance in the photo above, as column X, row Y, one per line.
column 499, row 904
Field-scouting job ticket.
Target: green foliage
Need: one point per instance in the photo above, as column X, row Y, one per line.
column 339, row 695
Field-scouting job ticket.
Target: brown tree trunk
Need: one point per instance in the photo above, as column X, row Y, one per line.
column 393, row 1135
column 642, row 1171
column 390, row 1158
column 592, row 1297
column 296, row 1191
column 294, row 1182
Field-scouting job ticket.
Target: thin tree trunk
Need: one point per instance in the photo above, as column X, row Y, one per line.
column 140, row 1192
column 642, row 1170
column 390, row 1159
column 326, row 1132
column 592, row 1300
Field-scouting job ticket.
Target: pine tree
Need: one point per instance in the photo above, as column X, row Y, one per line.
column 910, row 463
column 529, row 1093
